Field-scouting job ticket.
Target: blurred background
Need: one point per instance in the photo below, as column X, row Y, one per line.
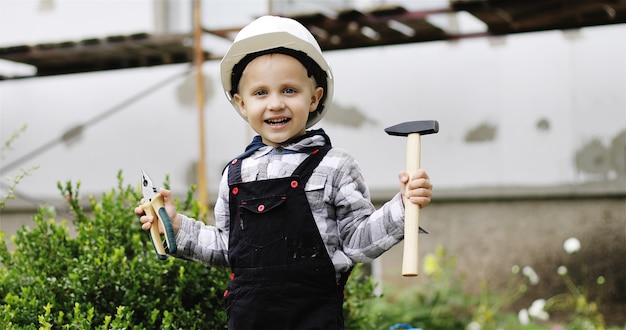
column 530, row 97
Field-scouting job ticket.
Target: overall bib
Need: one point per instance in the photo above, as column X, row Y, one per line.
column 282, row 276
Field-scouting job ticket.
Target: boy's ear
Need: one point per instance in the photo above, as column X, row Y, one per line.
column 316, row 98
column 240, row 105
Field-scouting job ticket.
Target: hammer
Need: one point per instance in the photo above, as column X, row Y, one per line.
column 413, row 130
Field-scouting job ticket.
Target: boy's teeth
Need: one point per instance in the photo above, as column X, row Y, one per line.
column 277, row 121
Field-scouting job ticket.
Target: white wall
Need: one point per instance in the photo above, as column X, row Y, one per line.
column 544, row 97
column 575, row 85
column 43, row 21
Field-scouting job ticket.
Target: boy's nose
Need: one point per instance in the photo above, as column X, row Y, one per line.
column 275, row 103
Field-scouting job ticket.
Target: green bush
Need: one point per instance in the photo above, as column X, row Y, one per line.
column 107, row 276
column 23, row 173
column 437, row 302
column 359, row 291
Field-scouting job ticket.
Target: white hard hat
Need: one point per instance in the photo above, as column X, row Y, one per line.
column 270, row 32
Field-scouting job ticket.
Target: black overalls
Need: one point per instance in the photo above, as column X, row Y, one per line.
column 282, row 275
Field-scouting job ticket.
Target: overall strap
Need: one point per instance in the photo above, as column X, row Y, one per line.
column 234, row 171
column 306, row 168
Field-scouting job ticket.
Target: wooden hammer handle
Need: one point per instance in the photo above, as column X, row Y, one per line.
column 411, row 211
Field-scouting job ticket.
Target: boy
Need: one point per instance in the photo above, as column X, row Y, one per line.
column 293, row 215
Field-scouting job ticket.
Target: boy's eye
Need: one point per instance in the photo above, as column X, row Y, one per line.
column 260, row 92
column 289, row 90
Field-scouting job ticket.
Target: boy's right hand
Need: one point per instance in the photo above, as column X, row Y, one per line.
column 170, row 208
column 417, row 188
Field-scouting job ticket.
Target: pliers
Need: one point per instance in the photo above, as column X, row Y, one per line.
column 153, row 205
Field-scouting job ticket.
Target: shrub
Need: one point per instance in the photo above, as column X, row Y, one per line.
column 23, row 173
column 107, row 276
column 439, row 302
column 359, row 291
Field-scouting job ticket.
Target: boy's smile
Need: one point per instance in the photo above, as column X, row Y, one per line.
column 276, row 96
column 277, row 121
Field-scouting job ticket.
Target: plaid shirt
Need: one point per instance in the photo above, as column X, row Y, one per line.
column 352, row 229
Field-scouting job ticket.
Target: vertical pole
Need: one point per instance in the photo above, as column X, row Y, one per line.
column 270, row 7
column 203, row 197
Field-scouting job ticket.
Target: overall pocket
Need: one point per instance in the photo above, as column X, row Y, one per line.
column 262, row 221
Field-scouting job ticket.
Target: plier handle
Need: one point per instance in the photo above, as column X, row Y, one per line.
column 154, row 206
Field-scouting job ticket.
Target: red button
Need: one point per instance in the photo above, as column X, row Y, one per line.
column 235, row 191
column 225, row 293
column 294, row 184
column 261, row 208
column 234, row 161
column 232, row 276
column 315, row 151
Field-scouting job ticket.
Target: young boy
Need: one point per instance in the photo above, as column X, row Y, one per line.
column 293, row 214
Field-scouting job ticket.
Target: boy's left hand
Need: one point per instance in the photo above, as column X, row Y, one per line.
column 418, row 190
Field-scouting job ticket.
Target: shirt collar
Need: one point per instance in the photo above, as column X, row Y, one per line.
column 312, row 138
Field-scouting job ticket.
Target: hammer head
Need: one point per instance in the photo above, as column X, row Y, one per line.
column 421, row 127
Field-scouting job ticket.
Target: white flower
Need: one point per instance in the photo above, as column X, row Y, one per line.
column 562, row 270
column 587, row 325
column 571, row 245
column 523, row 317
column 536, row 310
column 533, row 278
column 473, row 326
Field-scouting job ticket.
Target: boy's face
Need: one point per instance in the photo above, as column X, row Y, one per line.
column 276, row 96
